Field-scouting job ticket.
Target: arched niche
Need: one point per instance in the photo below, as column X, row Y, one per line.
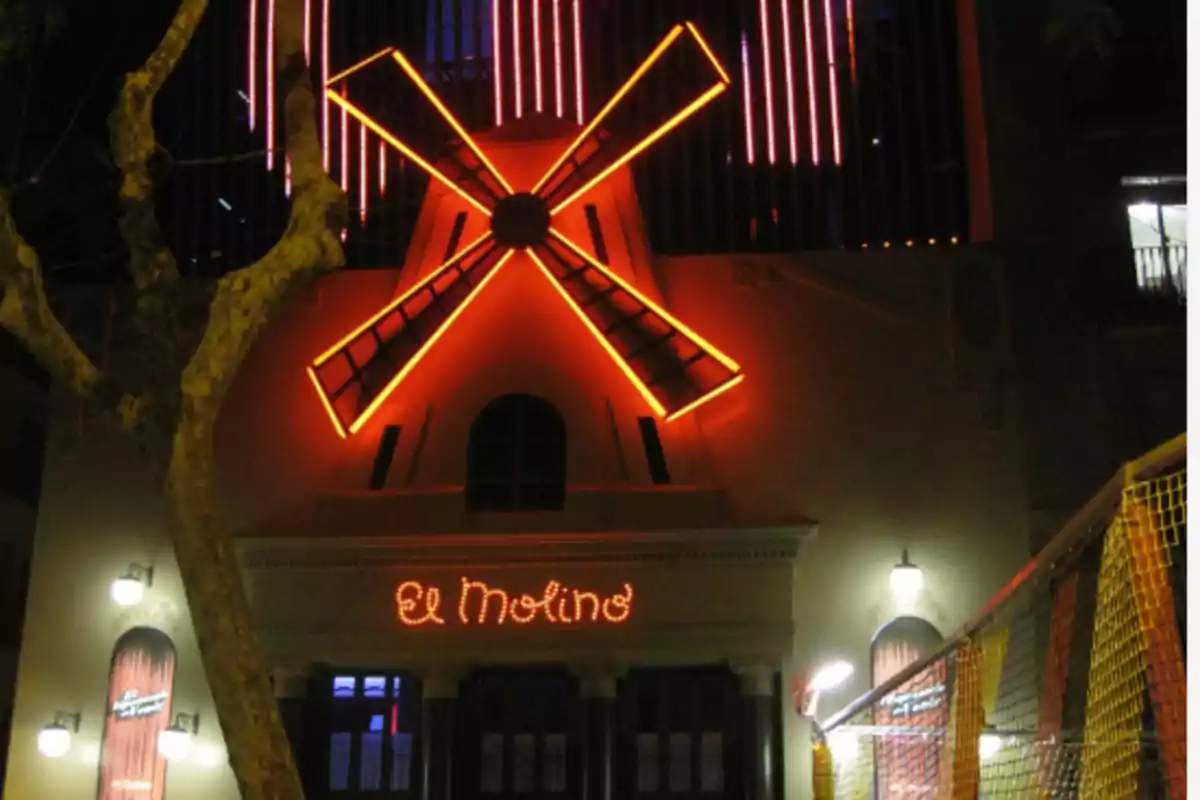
column 141, row 679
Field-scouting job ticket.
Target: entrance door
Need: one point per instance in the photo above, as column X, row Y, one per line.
column 677, row 735
column 520, row 735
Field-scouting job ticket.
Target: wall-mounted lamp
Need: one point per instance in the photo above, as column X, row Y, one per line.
column 990, row 744
column 827, row 678
column 175, row 742
column 54, row 740
column 843, row 747
column 906, row 580
column 129, row 589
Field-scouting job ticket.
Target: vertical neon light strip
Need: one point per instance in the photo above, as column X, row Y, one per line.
column 747, row 108
column 578, row 65
column 812, row 85
column 363, row 174
column 558, row 76
column 834, row 113
column 345, row 148
column 768, row 89
column 287, row 176
column 517, row 98
column 496, row 72
column 786, row 12
column 252, row 62
column 325, row 80
column 537, row 54
column 850, row 41
column 382, row 168
column 308, row 31
column 270, row 84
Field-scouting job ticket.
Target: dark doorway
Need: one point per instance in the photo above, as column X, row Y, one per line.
column 677, row 735
column 520, row 735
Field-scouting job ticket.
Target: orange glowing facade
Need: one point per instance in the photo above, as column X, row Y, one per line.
column 673, row 368
column 527, row 498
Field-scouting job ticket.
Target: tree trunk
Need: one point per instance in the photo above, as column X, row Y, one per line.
column 233, row 660
column 241, row 307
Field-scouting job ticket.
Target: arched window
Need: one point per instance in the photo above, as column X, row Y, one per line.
column 517, row 456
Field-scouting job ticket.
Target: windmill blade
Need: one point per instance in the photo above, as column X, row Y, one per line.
column 636, row 116
column 672, row 367
column 387, row 94
column 357, row 374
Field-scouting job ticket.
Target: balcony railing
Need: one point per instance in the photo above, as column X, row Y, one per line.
column 1162, row 270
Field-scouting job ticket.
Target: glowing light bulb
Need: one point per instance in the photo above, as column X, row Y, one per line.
column 128, row 590
column 174, row 743
column 990, row 746
column 907, row 580
column 843, row 747
column 831, row 676
column 54, row 740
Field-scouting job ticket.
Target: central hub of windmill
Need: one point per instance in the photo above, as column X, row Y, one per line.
column 521, row 220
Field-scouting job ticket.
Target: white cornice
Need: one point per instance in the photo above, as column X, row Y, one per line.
column 780, row 543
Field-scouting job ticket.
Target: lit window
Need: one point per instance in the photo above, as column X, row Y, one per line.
column 1158, row 234
column 491, row 773
column 523, row 746
column 371, row 758
column 402, row 753
column 375, row 686
column 555, row 763
column 345, row 686
column 339, row 762
column 712, row 763
column 647, row 762
column 680, row 776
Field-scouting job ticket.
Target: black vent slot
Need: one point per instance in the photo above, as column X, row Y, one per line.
column 456, row 233
column 597, row 234
column 655, row 458
column 384, row 456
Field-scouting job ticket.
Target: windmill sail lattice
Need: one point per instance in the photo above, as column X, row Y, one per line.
column 672, row 367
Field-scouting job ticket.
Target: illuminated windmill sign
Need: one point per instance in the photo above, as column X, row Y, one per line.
column 673, row 368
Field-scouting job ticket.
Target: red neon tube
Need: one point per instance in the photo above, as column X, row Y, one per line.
column 287, row 175
column 345, row 141
column 252, row 62
column 362, row 174
column 383, row 168
column 578, row 65
column 747, row 108
column 558, row 72
column 537, row 54
column 831, row 55
column 324, row 80
column 812, row 86
column 496, row 42
column 307, row 31
column 270, row 84
column 786, row 11
column 850, row 41
column 768, row 93
column 516, row 31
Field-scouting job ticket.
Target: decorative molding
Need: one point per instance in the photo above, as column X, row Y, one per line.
column 765, row 544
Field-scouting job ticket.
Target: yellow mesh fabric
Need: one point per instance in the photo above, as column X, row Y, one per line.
column 1076, row 684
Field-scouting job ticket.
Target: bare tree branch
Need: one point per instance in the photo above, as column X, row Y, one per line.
column 26, row 313
column 131, row 133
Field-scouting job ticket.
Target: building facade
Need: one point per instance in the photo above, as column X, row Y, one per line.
column 575, row 521
column 22, row 442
